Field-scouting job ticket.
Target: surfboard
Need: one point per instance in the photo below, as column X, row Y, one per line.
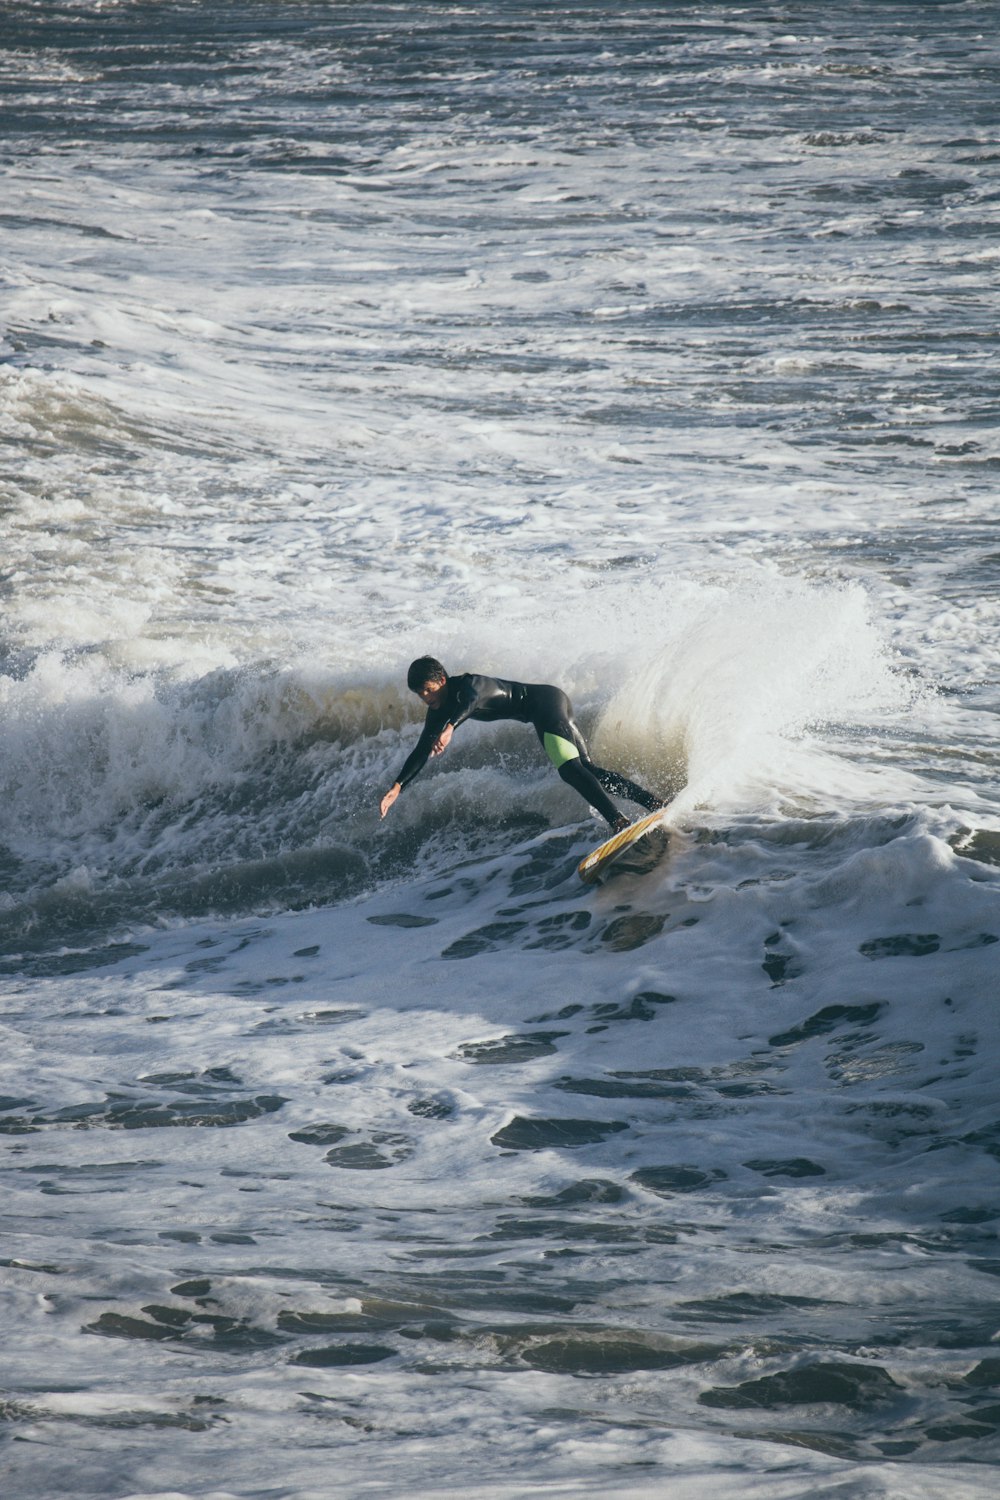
column 600, row 860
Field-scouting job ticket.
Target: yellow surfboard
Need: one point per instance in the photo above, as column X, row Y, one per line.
column 600, row 859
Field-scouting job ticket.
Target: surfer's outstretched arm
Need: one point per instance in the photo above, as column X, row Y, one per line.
column 434, row 738
column 429, row 680
column 416, row 762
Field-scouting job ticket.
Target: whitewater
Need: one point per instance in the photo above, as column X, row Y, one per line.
column 644, row 349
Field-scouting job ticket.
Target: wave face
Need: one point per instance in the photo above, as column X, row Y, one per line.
column 638, row 349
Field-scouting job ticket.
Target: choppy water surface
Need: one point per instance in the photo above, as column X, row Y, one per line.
column 649, row 349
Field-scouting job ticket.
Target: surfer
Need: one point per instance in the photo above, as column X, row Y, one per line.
column 452, row 700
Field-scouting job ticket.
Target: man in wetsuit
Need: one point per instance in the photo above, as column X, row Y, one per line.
column 452, row 700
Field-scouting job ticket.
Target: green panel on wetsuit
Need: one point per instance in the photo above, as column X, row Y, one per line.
column 559, row 750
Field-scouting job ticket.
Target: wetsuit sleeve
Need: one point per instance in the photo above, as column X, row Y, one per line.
column 420, row 754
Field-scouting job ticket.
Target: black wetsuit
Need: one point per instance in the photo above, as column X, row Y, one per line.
column 470, row 696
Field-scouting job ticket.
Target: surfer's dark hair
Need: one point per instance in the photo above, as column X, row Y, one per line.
column 425, row 669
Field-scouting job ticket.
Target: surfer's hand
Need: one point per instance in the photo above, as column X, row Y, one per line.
column 443, row 740
column 389, row 798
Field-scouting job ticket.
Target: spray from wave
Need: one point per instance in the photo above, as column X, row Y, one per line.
column 734, row 702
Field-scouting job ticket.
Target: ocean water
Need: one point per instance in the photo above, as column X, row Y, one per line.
column 649, row 349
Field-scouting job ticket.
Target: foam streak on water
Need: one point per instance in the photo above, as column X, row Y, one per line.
column 648, row 349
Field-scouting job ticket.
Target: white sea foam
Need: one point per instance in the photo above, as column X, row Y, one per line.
column 639, row 350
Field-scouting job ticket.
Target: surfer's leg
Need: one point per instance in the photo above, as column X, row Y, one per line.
column 567, row 750
column 566, row 746
column 576, row 775
column 622, row 787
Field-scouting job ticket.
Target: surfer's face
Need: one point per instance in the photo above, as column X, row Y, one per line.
column 432, row 693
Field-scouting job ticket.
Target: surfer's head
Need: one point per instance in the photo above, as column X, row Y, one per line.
column 427, row 678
